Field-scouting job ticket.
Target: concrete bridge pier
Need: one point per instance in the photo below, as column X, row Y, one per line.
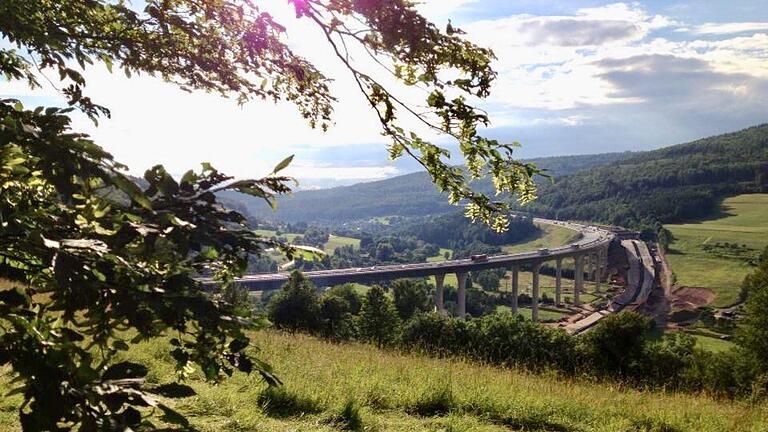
column 602, row 259
column 439, row 282
column 515, row 288
column 578, row 279
column 558, row 280
column 535, row 292
column 462, row 292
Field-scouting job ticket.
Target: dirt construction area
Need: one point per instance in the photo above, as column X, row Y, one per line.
column 690, row 297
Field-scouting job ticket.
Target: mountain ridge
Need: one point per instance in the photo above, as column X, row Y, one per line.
column 669, row 184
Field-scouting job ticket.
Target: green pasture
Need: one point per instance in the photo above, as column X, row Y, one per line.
column 551, row 236
column 393, row 391
column 742, row 221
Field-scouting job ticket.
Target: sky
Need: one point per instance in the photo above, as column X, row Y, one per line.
column 575, row 77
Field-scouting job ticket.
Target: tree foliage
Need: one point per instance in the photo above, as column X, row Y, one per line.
column 410, row 297
column 753, row 333
column 105, row 264
column 296, row 306
column 378, row 320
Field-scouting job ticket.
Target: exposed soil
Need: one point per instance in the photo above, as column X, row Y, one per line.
column 684, row 297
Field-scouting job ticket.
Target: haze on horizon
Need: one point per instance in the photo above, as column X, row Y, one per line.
column 575, row 77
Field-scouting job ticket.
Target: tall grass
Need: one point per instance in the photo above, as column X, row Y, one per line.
column 331, row 387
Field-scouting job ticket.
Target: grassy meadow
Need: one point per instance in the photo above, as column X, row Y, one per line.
column 331, row 387
column 334, row 241
column 743, row 221
column 551, row 236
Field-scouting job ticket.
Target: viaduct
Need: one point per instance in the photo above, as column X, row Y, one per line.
column 589, row 252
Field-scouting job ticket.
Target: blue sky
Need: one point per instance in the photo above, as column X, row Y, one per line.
column 575, row 77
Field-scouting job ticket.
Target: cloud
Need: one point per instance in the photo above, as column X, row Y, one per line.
column 728, row 28
column 572, row 32
column 667, row 78
column 441, row 9
column 589, row 27
column 607, row 78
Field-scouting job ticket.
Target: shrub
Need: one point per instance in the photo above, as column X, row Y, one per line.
column 378, row 321
column 615, row 346
column 410, row 297
column 296, row 306
column 348, row 293
column 336, row 321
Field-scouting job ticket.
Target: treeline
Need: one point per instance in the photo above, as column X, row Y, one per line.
column 672, row 184
column 409, row 195
column 455, row 231
column 416, row 242
column 621, row 347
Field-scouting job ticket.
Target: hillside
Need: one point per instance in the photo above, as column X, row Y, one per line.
column 406, row 195
column 718, row 252
column 671, row 184
column 398, row 392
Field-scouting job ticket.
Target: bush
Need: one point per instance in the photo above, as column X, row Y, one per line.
column 615, row 346
column 410, row 297
column 348, row 293
column 296, row 306
column 378, row 321
column 336, row 321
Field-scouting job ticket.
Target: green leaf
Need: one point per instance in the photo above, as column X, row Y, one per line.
column 132, row 190
column 282, row 165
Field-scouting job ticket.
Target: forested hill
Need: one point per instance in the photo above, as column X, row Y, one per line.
column 406, row 195
column 671, row 184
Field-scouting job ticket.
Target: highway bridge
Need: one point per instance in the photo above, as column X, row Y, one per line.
column 590, row 249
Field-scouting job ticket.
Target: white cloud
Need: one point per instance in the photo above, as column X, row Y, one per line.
column 312, row 172
column 728, row 28
column 556, row 72
column 558, row 62
column 441, row 9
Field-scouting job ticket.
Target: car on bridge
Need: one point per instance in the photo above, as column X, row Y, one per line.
column 479, row 258
column 543, row 251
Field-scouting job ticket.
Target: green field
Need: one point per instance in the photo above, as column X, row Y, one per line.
column 401, row 392
column 551, row 236
column 713, row 344
column 743, row 221
column 338, row 241
column 441, row 256
column 544, row 315
column 333, row 240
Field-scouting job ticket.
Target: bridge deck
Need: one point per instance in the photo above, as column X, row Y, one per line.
column 592, row 238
